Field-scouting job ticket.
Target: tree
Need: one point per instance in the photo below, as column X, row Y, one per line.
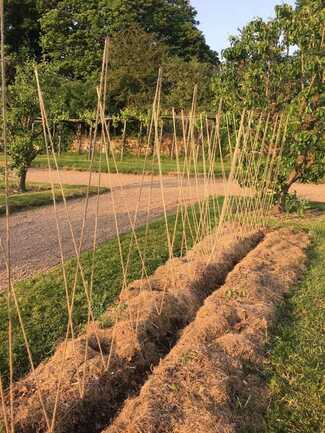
column 256, row 66
column 179, row 80
column 25, row 131
column 70, row 36
column 24, row 136
column 173, row 22
column 304, row 154
column 278, row 66
column 133, row 74
column 133, row 70
column 73, row 33
column 23, row 31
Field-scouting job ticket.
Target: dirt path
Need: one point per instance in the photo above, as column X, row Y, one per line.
column 310, row 191
column 34, row 241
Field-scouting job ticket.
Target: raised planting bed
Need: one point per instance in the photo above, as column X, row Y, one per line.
column 208, row 381
column 87, row 380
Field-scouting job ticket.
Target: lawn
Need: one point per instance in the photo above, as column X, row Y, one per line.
column 295, row 364
column 129, row 164
column 40, row 194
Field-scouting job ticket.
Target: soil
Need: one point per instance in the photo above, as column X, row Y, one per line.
column 101, row 368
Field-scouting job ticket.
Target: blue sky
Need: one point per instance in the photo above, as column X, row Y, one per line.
column 221, row 18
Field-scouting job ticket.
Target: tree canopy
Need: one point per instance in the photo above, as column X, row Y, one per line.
column 71, row 32
column 277, row 65
column 273, row 66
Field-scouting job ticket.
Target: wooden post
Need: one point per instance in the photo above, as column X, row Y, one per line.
column 79, row 138
column 140, row 137
column 59, row 142
column 109, row 141
column 53, row 132
column 174, row 136
column 123, row 139
column 90, row 141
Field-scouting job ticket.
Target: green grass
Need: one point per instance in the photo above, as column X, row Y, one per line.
column 42, row 298
column 40, row 194
column 130, row 164
column 296, row 363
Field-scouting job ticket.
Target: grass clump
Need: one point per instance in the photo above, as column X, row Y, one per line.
column 40, row 194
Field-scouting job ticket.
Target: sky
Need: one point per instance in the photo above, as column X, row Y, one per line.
column 221, row 18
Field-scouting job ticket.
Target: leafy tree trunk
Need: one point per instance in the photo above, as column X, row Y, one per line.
column 303, row 164
column 22, row 180
column 283, row 197
column 293, row 176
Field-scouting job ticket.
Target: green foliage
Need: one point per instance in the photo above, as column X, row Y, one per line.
column 24, row 136
column 277, row 66
column 23, row 150
column 133, row 70
column 73, row 32
column 21, row 32
column 69, row 35
column 133, row 75
column 24, row 125
column 72, row 35
column 173, row 22
column 253, row 70
column 295, row 204
column 180, row 77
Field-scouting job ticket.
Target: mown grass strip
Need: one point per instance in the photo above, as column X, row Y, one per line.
column 42, row 298
column 43, row 196
column 130, row 164
column 295, row 363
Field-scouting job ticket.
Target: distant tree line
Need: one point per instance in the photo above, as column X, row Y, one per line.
column 69, row 36
column 274, row 65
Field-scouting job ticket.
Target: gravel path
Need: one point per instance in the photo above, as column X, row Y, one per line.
column 34, row 240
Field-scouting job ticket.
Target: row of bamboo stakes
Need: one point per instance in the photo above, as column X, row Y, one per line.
column 247, row 149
